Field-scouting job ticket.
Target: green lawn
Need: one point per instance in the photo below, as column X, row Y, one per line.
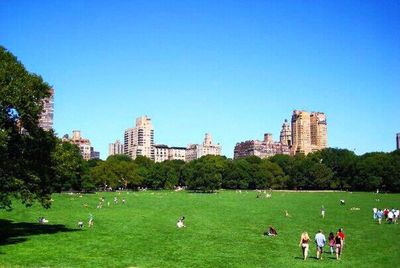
column 223, row 230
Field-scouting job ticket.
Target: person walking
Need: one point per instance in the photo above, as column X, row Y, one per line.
column 331, row 239
column 320, row 241
column 323, row 211
column 304, row 240
column 339, row 245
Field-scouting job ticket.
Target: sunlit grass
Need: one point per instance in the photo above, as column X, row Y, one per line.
column 223, row 230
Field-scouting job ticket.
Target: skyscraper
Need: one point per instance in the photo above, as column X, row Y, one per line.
column 140, row 139
column 319, row 139
column 115, row 148
column 46, row 118
column 398, row 141
column 309, row 132
column 301, row 132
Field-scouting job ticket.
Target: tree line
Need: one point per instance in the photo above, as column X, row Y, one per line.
column 328, row 169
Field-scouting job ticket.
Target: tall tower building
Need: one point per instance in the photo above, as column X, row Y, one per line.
column 46, row 118
column 286, row 134
column 319, row 139
column 301, row 132
column 115, row 148
column 140, row 139
column 398, row 141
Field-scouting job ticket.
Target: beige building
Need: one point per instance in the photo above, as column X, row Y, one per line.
column 140, row 139
column 163, row 152
column 46, row 118
column 286, row 134
column 115, row 148
column 82, row 143
column 319, row 137
column 263, row 149
column 195, row 151
column 177, row 153
column 309, row 132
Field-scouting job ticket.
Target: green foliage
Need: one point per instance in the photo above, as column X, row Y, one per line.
column 70, row 168
column 26, row 170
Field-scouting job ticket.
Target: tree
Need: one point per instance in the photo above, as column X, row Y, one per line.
column 70, row 168
column 205, row 174
column 26, row 170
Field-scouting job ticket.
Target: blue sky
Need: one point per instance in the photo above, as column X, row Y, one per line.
column 235, row 69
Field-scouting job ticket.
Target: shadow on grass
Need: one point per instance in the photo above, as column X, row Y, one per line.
column 17, row 232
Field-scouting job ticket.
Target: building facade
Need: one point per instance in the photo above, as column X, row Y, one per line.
column 82, row 143
column 94, row 154
column 301, row 132
column 46, row 118
column 309, row 132
column 140, row 139
column 195, row 151
column 263, row 149
column 286, row 134
column 115, row 148
column 163, row 152
column 319, row 137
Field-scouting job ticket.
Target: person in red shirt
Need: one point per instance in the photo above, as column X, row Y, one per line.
column 342, row 236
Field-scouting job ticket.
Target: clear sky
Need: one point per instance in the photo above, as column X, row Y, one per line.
column 235, row 69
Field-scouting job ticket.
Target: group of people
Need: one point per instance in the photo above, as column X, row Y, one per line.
column 336, row 243
column 390, row 215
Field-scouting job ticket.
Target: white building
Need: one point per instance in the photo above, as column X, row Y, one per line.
column 163, row 152
column 195, row 151
column 115, row 148
column 140, row 139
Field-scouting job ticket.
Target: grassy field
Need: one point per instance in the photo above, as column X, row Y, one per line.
column 223, row 230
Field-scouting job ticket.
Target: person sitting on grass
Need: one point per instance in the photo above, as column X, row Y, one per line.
column 271, row 231
column 181, row 222
column 42, row 220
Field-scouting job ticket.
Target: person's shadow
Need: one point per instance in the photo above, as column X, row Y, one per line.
column 17, row 232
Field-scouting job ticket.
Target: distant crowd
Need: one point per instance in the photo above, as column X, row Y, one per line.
column 390, row 215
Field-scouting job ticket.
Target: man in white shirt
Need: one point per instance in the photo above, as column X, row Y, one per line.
column 320, row 241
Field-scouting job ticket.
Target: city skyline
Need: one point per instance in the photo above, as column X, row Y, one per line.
column 234, row 69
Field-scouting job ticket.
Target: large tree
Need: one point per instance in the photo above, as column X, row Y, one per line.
column 26, row 167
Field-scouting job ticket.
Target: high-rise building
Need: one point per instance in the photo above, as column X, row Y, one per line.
column 46, row 118
column 286, row 134
column 398, row 141
column 319, row 138
column 140, row 139
column 301, row 132
column 263, row 149
column 115, row 148
column 195, row 151
column 309, row 132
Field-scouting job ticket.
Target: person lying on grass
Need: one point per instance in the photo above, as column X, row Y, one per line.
column 271, row 231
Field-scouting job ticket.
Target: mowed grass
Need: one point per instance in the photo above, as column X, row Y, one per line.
column 223, row 230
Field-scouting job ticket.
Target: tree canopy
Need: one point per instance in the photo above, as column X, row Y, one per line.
column 26, row 168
